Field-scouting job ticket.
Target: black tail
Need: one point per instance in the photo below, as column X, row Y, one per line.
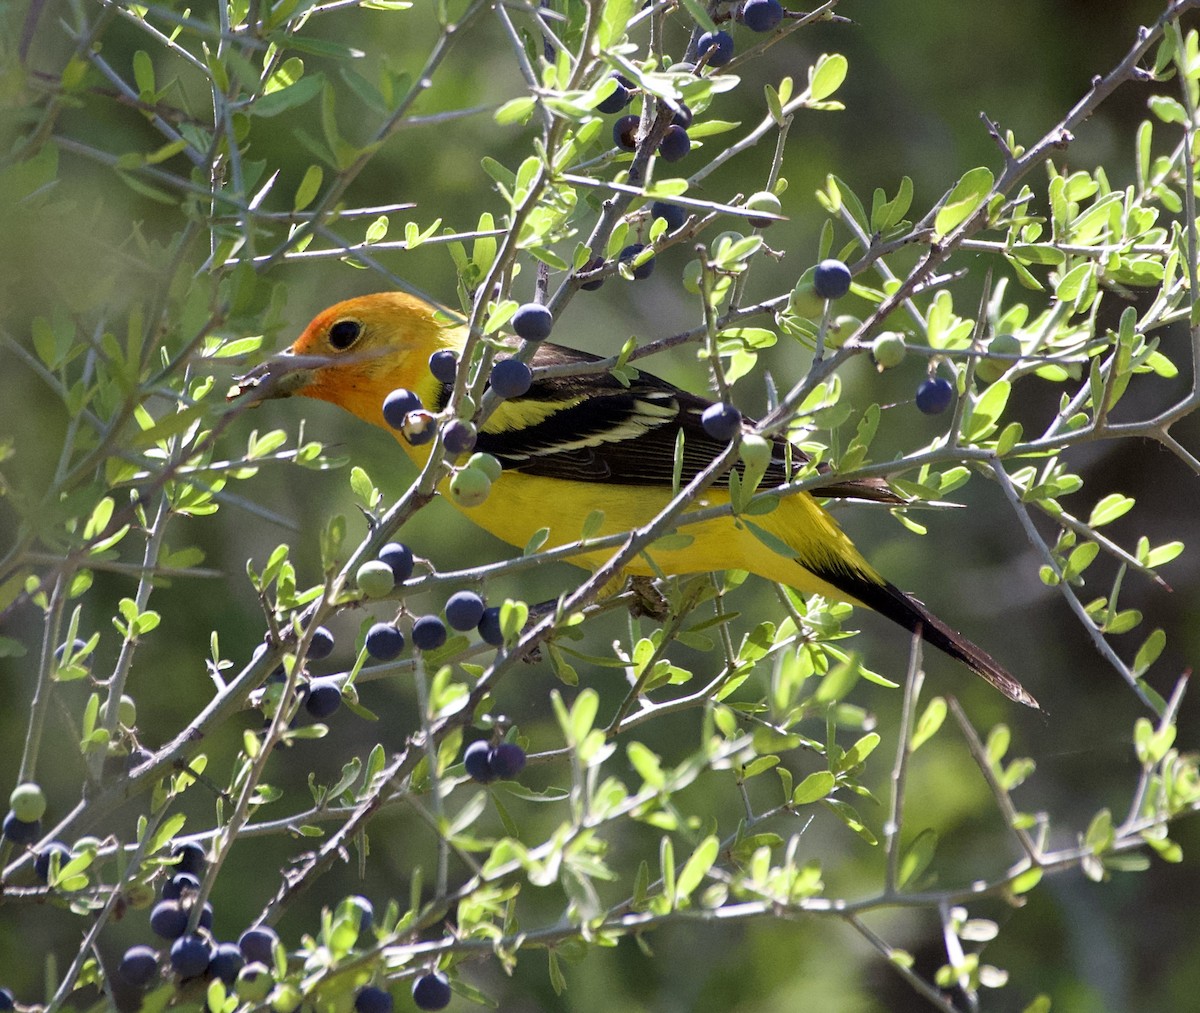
column 888, row 600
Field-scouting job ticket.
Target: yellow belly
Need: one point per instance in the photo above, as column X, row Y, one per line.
column 521, row 505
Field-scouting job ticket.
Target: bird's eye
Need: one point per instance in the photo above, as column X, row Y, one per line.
column 344, row 333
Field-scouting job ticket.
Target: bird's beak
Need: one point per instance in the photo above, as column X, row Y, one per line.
column 281, row 375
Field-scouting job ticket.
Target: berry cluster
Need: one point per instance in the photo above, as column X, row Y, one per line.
column 486, row 763
column 193, row 952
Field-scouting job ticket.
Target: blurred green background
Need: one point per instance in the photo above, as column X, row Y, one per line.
column 920, row 74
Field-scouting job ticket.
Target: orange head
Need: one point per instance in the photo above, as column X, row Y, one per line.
column 357, row 352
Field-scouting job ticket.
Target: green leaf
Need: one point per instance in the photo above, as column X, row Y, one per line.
column 759, row 765
column 287, row 98
column 557, row 981
column 1099, row 837
column 849, row 815
column 826, row 76
column 613, row 22
column 916, row 857
column 1163, row 554
column 536, row 541
column 309, row 187
column 813, row 788
column 773, row 542
column 696, row 868
column 1074, row 282
column 517, row 110
column 986, row 411
column 1026, row 881
column 143, row 74
column 168, row 426
column 962, row 202
column 1167, row 109
column 1109, row 509
column 699, row 13
column 928, row 723
column 1148, row 653
column 1080, row 559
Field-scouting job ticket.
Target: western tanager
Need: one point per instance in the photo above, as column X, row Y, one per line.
column 574, row 444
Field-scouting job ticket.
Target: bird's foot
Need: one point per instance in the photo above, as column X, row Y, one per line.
column 647, row 599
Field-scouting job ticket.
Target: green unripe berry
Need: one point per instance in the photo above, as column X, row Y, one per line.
column 755, row 451
column 840, row 329
column 254, row 982
column 693, row 272
column 28, row 802
column 127, row 711
column 888, row 349
column 715, row 245
column 286, row 998
column 764, row 200
column 470, row 487
column 375, row 578
column 138, row 896
column 487, row 464
column 990, row 370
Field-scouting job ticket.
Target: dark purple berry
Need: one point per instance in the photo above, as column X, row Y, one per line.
column 592, row 265
column 507, row 760
column 365, row 909
column 762, row 15
column 459, row 437
column 138, row 966
column 431, row 991
column 320, row 646
column 428, row 633
column 533, row 322
column 643, row 271
column 168, row 920
column 20, row 832
column 206, row 917
column 173, row 888
column 136, row 758
column 672, row 214
column 477, row 761
column 935, row 395
column 618, row 100
column 190, row 955
column 682, row 116
column 443, row 365
column 718, row 45
column 721, row 421
column 227, row 961
column 675, row 144
column 258, row 945
column 624, row 133
column 464, row 609
column 397, row 405
column 400, row 558
column 7, row 1000
column 384, row 642
column 420, row 428
column 41, row 864
column 192, row 858
column 77, row 646
column 489, row 627
column 510, row 378
column 831, row 279
column 324, row 697
column 372, row 999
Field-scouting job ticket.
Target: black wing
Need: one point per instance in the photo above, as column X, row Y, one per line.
column 592, row 428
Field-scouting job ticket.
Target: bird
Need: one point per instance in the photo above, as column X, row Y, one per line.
column 579, row 442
